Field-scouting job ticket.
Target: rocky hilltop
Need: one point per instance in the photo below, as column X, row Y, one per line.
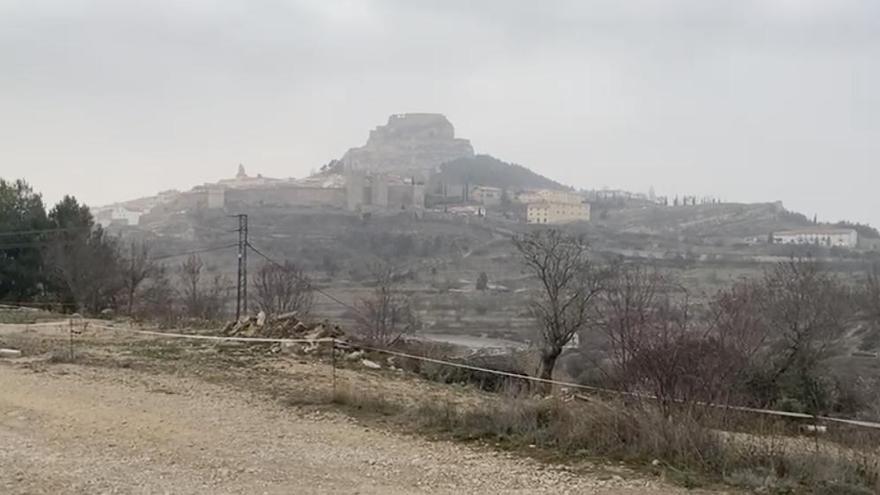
column 409, row 143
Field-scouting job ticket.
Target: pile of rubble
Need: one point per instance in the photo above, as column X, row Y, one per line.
column 284, row 326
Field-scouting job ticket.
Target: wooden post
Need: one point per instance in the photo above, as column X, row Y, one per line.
column 333, row 363
column 71, row 339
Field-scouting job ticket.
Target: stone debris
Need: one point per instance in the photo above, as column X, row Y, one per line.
column 371, row 364
column 354, row 356
column 284, row 326
column 10, row 353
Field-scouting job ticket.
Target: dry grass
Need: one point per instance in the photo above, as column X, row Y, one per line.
column 760, row 457
column 679, row 447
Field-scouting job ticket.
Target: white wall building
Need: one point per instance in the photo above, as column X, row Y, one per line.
column 820, row 236
column 488, row 196
column 550, row 196
column 546, row 206
column 117, row 214
column 545, row 212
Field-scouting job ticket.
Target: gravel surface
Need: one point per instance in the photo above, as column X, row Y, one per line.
column 79, row 429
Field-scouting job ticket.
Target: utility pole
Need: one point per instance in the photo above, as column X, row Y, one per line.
column 241, row 288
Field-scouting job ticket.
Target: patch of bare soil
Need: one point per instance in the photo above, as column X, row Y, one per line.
column 178, row 427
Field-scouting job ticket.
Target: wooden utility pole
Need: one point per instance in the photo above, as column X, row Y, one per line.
column 241, row 287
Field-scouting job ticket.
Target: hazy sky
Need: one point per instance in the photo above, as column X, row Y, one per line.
column 746, row 100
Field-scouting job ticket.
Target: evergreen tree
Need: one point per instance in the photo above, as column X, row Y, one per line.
column 22, row 224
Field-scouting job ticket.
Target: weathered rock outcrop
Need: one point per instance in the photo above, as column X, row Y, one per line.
column 408, row 143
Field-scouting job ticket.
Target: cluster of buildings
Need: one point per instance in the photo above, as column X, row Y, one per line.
column 533, row 206
column 818, row 236
column 388, row 173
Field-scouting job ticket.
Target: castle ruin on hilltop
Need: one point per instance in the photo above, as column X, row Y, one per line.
column 410, row 144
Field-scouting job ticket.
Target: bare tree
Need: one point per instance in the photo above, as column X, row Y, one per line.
column 806, row 309
column 158, row 297
column 624, row 311
column 135, row 270
column 387, row 315
column 190, row 273
column 482, row 281
column 569, row 283
column 215, row 296
column 204, row 301
column 282, row 289
column 870, row 295
column 657, row 347
column 738, row 322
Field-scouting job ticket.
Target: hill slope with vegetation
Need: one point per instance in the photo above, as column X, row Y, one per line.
column 486, row 170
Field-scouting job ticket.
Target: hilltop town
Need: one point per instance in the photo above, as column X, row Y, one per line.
column 414, row 163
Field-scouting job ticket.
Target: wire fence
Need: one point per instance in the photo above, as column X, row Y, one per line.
column 334, row 345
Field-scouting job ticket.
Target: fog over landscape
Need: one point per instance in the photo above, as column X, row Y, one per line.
column 440, row 246
column 746, row 101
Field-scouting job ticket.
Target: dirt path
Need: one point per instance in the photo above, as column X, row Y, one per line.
column 77, row 429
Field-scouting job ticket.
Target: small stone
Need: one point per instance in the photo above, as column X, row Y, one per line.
column 371, row 364
column 10, row 353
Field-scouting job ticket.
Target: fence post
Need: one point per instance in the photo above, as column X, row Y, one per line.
column 333, row 363
column 70, row 331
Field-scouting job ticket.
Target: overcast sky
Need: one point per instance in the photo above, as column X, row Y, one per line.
column 746, row 100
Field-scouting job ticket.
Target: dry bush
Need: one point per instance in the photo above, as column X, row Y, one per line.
column 644, row 433
column 388, row 314
column 201, row 301
column 364, row 402
column 282, row 289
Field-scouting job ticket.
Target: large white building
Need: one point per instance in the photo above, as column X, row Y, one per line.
column 555, row 213
column 550, row 196
column 117, row 214
column 820, row 236
column 547, row 206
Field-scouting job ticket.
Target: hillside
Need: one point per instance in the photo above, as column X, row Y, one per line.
column 489, row 171
column 708, row 220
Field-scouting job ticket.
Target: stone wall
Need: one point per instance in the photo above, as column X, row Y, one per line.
column 288, row 195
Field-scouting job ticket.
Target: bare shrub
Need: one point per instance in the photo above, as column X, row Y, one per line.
column 202, row 301
column 623, row 315
column 190, row 273
column 656, row 346
column 869, row 296
column 387, row 315
column 806, row 309
column 135, row 270
column 158, row 298
column 282, row 289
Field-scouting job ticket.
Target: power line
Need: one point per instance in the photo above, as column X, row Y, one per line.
column 197, row 251
column 316, row 289
column 23, row 245
column 157, row 258
column 41, row 231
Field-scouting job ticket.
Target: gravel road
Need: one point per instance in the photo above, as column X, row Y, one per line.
column 79, row 429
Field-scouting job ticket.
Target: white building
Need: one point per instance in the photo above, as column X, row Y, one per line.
column 488, row 196
column 550, row 196
column 117, row 214
column 546, row 206
column 820, row 236
column 545, row 212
